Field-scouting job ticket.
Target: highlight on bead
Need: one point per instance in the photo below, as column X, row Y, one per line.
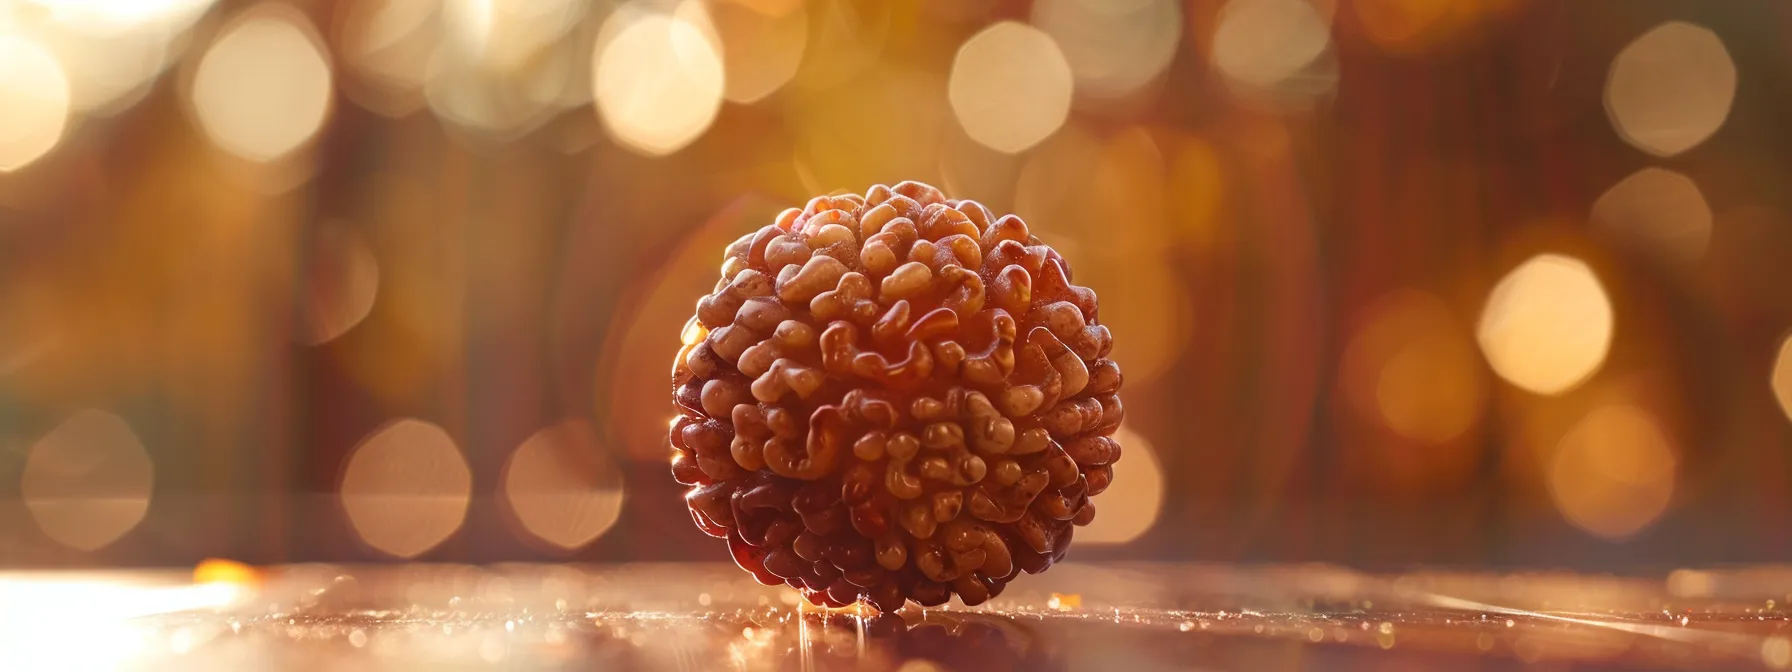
column 894, row 397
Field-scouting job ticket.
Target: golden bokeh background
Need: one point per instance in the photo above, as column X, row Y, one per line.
column 1470, row 282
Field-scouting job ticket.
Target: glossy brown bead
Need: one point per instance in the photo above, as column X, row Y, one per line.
column 894, row 397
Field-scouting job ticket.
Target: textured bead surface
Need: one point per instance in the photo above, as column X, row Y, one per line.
column 894, row 397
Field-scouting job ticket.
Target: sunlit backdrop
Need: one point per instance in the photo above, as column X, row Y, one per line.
column 1468, row 282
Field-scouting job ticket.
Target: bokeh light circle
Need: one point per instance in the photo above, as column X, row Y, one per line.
column 264, row 88
column 1547, row 325
column 1613, row 473
column 34, row 102
column 1671, row 88
column 1114, row 47
column 1010, row 87
column 89, row 481
column 1412, row 369
column 406, row 488
column 1658, row 211
column 1272, row 46
column 562, row 486
column 387, row 46
column 657, row 80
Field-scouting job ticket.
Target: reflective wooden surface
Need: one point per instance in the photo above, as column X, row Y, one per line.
column 712, row 617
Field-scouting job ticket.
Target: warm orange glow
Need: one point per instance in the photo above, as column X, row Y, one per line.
column 763, row 42
column 215, row 570
column 1010, row 87
column 421, row 292
column 1613, row 473
column 84, row 621
column 693, row 333
column 88, row 481
column 658, row 80
column 852, row 34
column 1547, row 325
column 1412, row 368
column 562, row 486
column 34, row 102
column 1196, row 189
column 1098, row 202
column 1125, row 512
column 919, row 665
column 892, row 124
column 1671, row 88
column 1659, row 212
column 1414, row 25
column 406, row 488
column 643, row 350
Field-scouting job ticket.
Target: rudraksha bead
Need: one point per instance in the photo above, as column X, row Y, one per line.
column 894, row 397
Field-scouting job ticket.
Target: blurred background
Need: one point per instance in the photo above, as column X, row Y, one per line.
column 1478, row 283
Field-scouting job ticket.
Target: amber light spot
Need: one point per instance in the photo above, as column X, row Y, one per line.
column 1010, row 87
column 406, row 488
column 264, row 88
column 1671, row 88
column 657, row 80
column 762, row 45
column 1613, row 473
column 1547, row 325
column 562, row 487
column 1412, row 368
column 215, row 570
column 1279, row 49
column 88, row 482
column 1658, row 212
